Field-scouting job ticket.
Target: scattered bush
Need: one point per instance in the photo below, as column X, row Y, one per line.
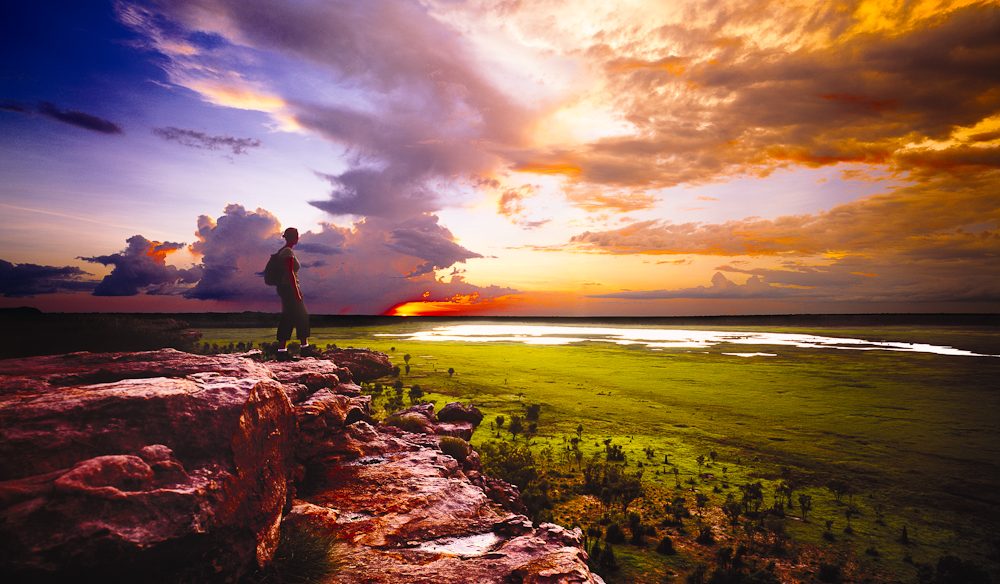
column 954, row 570
column 705, row 536
column 829, row 573
column 614, row 534
column 455, row 447
column 411, row 422
column 666, row 546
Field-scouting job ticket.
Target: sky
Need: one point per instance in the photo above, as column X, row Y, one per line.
column 543, row 158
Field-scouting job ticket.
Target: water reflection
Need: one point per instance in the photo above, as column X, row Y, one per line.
column 659, row 338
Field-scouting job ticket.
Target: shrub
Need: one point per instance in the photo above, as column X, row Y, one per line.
column 532, row 411
column 454, row 447
column 614, row 534
column 608, row 561
column 666, row 546
column 829, row 573
column 304, row 555
column 954, row 570
column 411, row 422
column 705, row 536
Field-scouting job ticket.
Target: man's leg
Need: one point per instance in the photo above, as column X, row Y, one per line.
column 286, row 322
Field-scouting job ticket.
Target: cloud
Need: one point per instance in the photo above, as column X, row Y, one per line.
column 205, row 141
column 18, row 280
column 933, row 241
column 233, row 249
column 713, row 93
column 365, row 269
column 721, row 287
column 71, row 117
column 407, row 103
column 142, row 267
column 424, row 238
column 911, row 218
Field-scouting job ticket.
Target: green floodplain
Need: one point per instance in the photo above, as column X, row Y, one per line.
column 898, row 453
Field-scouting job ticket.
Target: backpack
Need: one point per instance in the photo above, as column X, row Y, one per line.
column 273, row 271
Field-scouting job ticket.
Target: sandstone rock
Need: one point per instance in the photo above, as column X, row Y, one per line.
column 364, row 364
column 456, row 412
column 162, row 466
column 421, row 419
column 140, row 476
column 427, row 522
column 313, row 375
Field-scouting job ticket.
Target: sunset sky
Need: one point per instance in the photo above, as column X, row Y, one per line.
column 579, row 157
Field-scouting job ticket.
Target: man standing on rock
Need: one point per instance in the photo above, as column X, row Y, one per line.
column 293, row 309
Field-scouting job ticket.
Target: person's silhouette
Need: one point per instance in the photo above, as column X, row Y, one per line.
column 293, row 309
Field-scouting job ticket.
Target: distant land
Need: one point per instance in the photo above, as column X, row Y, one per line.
column 261, row 319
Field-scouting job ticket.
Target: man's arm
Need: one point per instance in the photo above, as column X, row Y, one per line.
column 292, row 279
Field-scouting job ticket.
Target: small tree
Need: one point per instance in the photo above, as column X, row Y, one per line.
column 579, row 431
column 416, row 392
column 451, row 371
column 516, row 426
column 532, row 411
column 805, row 504
column 732, row 509
column 500, row 421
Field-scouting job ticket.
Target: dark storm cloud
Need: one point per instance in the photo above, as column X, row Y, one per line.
column 201, row 140
column 142, row 267
column 31, row 279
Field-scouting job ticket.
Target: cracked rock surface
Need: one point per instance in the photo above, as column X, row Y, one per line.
column 162, row 466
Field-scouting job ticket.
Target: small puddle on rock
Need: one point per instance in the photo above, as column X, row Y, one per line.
column 470, row 545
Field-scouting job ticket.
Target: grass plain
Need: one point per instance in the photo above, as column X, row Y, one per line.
column 914, row 435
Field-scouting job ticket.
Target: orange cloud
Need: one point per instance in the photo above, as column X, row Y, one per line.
column 457, row 305
column 548, row 168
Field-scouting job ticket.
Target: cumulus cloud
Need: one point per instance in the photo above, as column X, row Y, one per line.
column 201, row 140
column 367, row 268
column 18, row 280
column 142, row 267
column 71, row 117
column 233, row 249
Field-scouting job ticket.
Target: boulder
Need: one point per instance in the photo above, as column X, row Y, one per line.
column 145, row 478
column 364, row 364
column 456, row 412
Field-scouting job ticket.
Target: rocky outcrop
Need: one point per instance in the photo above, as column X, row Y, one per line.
column 363, row 364
column 165, row 466
column 171, row 460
